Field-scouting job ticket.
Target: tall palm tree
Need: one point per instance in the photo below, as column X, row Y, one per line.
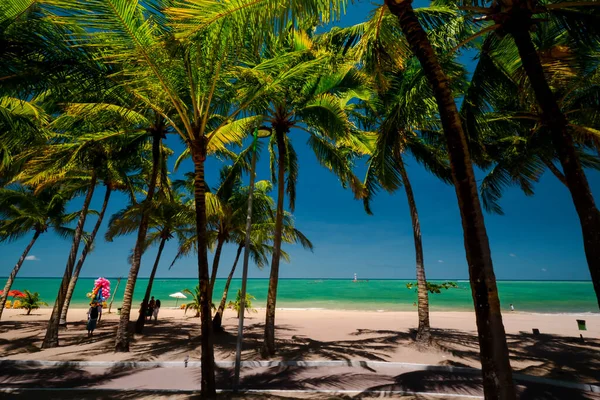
column 184, row 55
column 168, row 217
column 505, row 124
column 497, row 373
column 121, row 173
column 79, row 156
column 579, row 21
column 226, row 210
column 304, row 89
column 261, row 239
column 23, row 211
column 402, row 113
column 406, row 123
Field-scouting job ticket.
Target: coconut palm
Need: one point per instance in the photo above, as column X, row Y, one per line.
column 24, row 211
column 168, row 217
column 303, row 88
column 31, row 301
column 184, row 54
column 81, row 156
column 506, row 125
column 578, row 21
column 402, row 114
column 118, row 174
column 261, row 247
column 497, row 373
column 405, row 122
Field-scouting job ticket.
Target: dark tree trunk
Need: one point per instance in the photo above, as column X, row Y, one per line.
column 208, row 387
column 589, row 216
column 423, row 331
column 269, row 343
column 123, row 333
column 497, row 373
column 215, row 266
column 218, row 319
column 141, row 321
column 15, row 271
column 51, row 338
column 84, row 253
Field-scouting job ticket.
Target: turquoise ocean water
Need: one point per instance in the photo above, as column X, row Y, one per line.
column 389, row 295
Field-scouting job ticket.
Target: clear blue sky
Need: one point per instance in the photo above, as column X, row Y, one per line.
column 538, row 238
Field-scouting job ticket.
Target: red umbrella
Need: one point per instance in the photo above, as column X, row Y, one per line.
column 13, row 293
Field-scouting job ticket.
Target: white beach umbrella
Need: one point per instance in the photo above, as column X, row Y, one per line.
column 178, row 296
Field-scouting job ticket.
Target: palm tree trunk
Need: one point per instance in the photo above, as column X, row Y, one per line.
column 269, row 343
column 215, row 266
column 86, row 249
column 15, row 271
column 497, row 373
column 218, row 319
column 208, row 387
column 423, row 331
column 589, row 216
column 122, row 339
column 141, row 321
column 51, row 338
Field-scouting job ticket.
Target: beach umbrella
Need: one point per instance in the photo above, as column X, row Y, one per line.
column 13, row 293
column 178, row 296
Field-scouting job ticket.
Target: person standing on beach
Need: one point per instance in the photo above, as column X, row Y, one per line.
column 512, row 308
column 156, row 309
column 151, row 306
column 92, row 319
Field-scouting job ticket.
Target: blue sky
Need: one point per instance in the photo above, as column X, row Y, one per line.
column 538, row 238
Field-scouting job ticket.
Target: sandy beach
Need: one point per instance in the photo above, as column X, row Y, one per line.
column 557, row 353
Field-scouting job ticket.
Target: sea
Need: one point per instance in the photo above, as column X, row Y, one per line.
column 345, row 294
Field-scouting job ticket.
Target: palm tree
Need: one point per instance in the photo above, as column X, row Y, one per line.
column 578, row 21
column 299, row 90
column 261, row 239
column 168, row 217
column 80, row 156
column 31, row 301
column 195, row 303
column 497, row 373
column 118, row 174
column 519, row 137
column 176, row 70
column 402, row 112
column 23, row 211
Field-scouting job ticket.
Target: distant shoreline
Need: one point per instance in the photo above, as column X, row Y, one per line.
column 316, row 279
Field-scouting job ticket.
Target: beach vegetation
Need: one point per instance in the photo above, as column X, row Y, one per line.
column 434, row 288
column 31, row 301
column 237, row 304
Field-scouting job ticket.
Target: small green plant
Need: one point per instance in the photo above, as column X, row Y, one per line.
column 434, row 287
column 195, row 302
column 238, row 300
column 31, row 301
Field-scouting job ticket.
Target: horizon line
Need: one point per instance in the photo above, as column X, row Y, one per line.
column 330, row 279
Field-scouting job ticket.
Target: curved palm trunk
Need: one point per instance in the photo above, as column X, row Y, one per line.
column 215, row 266
column 497, row 373
column 218, row 319
column 141, row 321
column 86, row 249
column 423, row 331
column 208, row 386
column 15, row 271
column 51, row 338
column 576, row 181
column 269, row 344
column 122, row 339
